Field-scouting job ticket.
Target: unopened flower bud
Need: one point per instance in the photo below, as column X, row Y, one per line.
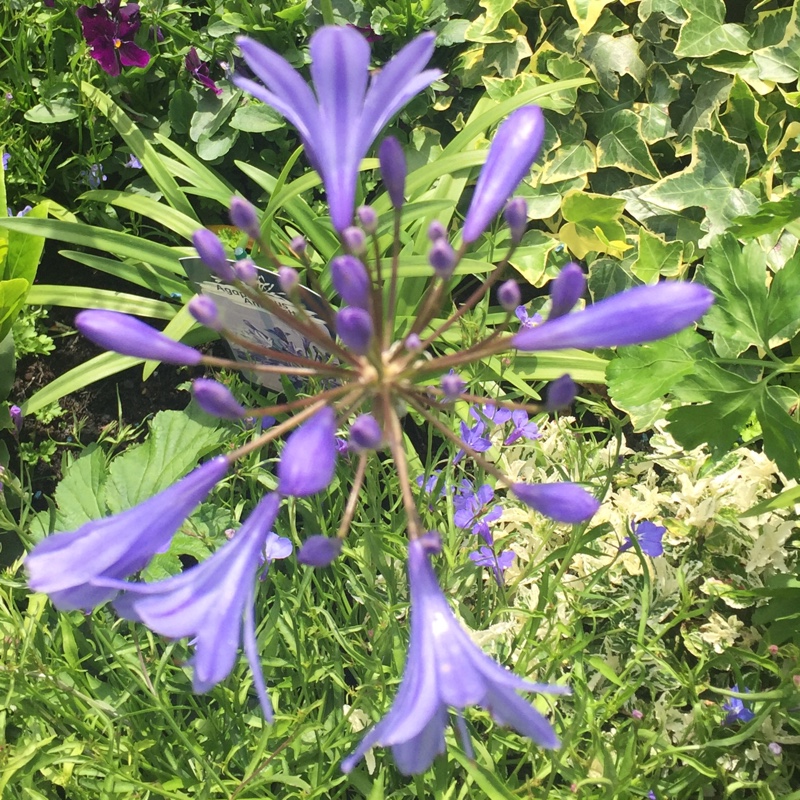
column 368, row 219
column 560, row 393
column 366, row 433
column 319, row 551
column 308, row 460
column 413, row 343
column 516, row 215
column 354, row 327
column 204, row 310
column 508, row 295
column 453, row 385
column 211, row 251
column 288, row 279
column 245, row 271
column 393, row 169
column 566, row 290
column 774, row 748
column 15, row 412
column 351, row 281
column 298, row 245
column 442, row 258
column 216, row 399
column 245, row 217
column 353, row 239
column 636, row 714
column 436, row 231
column 511, row 154
column 131, row 337
column 563, row 502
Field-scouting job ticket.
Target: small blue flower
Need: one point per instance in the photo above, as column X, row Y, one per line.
column 474, row 509
column 6, row 159
column 649, row 537
column 523, row 428
column 133, row 162
column 499, row 563
column 736, row 710
column 94, row 176
column 473, row 437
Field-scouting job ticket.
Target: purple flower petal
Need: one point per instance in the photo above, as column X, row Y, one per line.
column 649, row 536
column 511, row 154
column 309, row 456
column 70, row 566
column 563, row 502
column 351, row 281
column 566, row 290
column 637, row 315
column 131, row 337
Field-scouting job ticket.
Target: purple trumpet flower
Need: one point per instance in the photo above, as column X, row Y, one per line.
column 641, row 314
column 341, row 118
column 216, row 399
column 75, row 568
column 446, row 668
column 211, row 603
column 109, row 31
column 131, row 337
column 511, row 154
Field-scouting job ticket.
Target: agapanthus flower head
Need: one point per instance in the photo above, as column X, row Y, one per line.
column 445, row 669
column 361, row 359
column 109, row 30
column 347, row 109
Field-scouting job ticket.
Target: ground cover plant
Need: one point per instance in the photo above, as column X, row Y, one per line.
column 631, row 546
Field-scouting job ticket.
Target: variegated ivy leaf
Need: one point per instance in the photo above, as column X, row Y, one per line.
column 611, row 56
column 587, row 12
column 706, row 33
column 623, row 147
column 592, row 224
column 712, row 182
column 656, row 258
column 780, row 62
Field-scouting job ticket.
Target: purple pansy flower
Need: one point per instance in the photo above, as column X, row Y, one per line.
column 199, row 71
column 736, row 710
column 109, row 31
column 342, row 116
column 445, row 668
column 212, row 603
column 498, row 563
column 649, row 536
